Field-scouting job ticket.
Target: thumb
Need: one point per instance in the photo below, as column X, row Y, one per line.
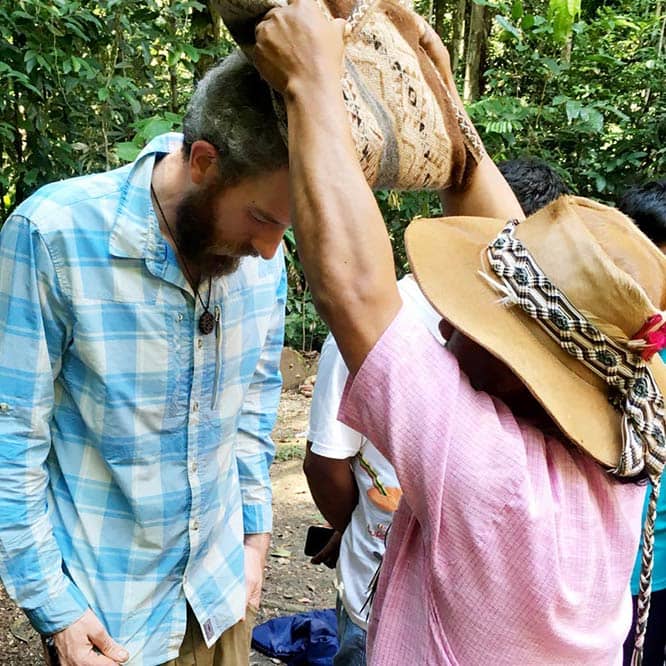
column 107, row 646
column 342, row 27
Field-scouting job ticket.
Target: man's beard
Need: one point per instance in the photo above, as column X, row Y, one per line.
column 195, row 237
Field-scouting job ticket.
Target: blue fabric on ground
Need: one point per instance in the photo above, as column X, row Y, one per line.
column 306, row 639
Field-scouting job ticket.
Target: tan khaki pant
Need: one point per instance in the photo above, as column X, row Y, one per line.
column 231, row 649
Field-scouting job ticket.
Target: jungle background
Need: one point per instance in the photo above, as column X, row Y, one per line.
column 578, row 83
column 85, row 84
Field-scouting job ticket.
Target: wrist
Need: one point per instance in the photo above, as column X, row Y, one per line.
column 256, row 549
column 316, row 111
column 306, row 90
column 259, row 542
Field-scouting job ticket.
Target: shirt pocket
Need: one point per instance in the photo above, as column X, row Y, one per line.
column 247, row 315
column 122, row 373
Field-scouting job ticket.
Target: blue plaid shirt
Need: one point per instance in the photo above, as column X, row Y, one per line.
column 134, row 452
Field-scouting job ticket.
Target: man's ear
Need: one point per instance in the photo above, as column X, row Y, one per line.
column 203, row 161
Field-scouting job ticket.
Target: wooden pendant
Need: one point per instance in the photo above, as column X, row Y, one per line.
column 206, row 322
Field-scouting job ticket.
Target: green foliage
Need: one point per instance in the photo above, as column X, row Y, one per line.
column 398, row 210
column 289, row 451
column 86, row 84
column 586, row 95
column 146, row 129
column 562, row 14
column 304, row 328
column 80, row 77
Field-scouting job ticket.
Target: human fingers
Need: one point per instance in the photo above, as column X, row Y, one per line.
column 86, row 643
column 298, row 42
column 328, row 555
column 431, row 43
column 107, row 647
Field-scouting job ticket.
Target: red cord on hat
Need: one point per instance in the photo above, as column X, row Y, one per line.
column 653, row 333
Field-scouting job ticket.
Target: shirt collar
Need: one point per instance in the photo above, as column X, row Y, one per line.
column 135, row 232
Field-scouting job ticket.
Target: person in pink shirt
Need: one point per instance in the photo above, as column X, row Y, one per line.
column 519, row 448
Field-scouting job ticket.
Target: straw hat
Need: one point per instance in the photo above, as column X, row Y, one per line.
column 572, row 301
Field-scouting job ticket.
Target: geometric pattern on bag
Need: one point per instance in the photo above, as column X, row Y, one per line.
column 408, row 130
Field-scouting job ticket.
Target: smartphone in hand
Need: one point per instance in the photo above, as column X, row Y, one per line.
column 317, row 537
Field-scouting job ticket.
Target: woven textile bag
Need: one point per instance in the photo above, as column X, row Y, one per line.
column 408, row 131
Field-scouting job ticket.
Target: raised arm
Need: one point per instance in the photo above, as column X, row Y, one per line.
column 342, row 240
column 487, row 193
column 339, row 230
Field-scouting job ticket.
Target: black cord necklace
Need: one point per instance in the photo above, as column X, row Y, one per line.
column 207, row 319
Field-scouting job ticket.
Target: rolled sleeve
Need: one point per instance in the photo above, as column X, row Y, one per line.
column 59, row 611
column 255, row 449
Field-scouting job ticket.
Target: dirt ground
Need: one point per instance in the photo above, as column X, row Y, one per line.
column 292, row 584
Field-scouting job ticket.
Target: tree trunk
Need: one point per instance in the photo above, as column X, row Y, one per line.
column 20, row 188
column 483, row 61
column 567, row 48
column 662, row 19
column 3, row 192
column 661, row 23
column 475, row 45
column 438, row 11
column 458, row 33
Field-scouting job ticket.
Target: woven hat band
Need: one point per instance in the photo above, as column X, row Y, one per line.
column 632, row 388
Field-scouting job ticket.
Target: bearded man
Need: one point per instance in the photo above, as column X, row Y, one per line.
column 519, row 447
column 141, row 325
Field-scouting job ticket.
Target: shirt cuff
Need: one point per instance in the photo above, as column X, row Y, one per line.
column 334, row 452
column 59, row 611
column 257, row 518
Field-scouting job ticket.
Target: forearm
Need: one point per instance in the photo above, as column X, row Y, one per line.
column 260, row 543
column 332, row 486
column 487, row 195
column 256, row 552
column 342, row 240
column 339, row 511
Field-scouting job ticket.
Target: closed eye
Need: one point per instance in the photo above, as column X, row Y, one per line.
column 260, row 218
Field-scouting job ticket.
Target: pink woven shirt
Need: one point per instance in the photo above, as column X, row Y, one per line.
column 508, row 547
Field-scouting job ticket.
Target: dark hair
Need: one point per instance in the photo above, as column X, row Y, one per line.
column 534, row 182
column 232, row 109
column 646, row 205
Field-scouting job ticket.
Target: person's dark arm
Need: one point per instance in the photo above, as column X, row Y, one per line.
column 332, row 486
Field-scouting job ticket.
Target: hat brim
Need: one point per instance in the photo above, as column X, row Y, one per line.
column 446, row 256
